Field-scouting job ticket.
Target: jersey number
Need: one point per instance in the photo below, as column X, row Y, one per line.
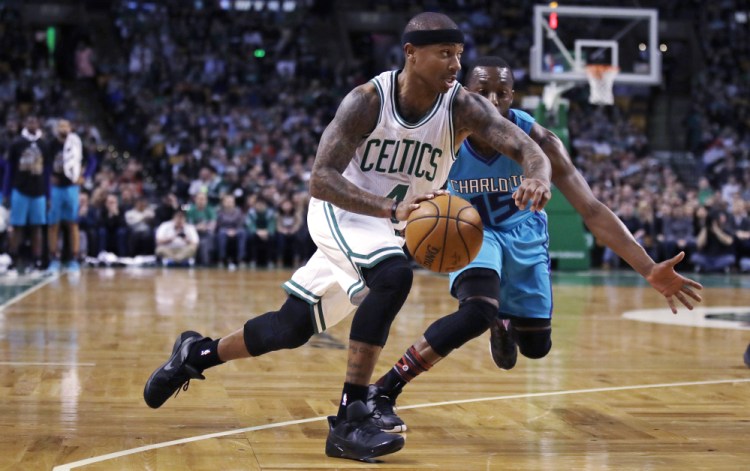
column 494, row 208
column 398, row 192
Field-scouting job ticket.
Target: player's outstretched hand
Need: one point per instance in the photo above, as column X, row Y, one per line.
column 534, row 190
column 405, row 208
column 671, row 284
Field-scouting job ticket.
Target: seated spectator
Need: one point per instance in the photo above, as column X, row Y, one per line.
column 176, row 241
column 140, row 230
column 288, row 224
column 650, row 228
column 230, row 227
column 740, row 227
column 678, row 235
column 207, row 182
column 715, row 252
column 203, row 217
column 113, row 232
column 261, row 227
column 166, row 209
column 87, row 223
column 628, row 217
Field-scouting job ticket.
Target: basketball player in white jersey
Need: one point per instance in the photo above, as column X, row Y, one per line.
column 390, row 146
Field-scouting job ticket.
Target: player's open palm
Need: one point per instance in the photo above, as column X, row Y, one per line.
column 672, row 285
column 532, row 190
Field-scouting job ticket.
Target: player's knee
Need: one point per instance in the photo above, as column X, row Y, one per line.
column 389, row 283
column 471, row 320
column 534, row 344
column 393, row 276
column 289, row 327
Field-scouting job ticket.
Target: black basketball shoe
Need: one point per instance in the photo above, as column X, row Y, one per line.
column 747, row 356
column 358, row 438
column 174, row 374
column 383, row 410
column 502, row 345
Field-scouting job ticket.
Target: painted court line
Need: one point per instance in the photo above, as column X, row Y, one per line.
column 33, row 289
column 155, row 446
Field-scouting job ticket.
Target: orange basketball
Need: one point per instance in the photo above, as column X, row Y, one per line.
column 444, row 234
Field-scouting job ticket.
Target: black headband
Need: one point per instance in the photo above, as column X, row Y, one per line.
column 433, row 36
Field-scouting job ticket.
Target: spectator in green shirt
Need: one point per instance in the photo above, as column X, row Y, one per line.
column 203, row 217
column 261, row 230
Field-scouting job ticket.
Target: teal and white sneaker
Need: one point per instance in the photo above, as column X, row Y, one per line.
column 54, row 267
column 73, row 266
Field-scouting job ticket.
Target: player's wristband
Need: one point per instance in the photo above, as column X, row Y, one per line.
column 394, row 207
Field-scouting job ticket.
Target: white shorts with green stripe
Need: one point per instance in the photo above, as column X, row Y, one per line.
column 332, row 281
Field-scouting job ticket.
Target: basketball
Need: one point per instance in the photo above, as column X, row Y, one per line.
column 444, row 234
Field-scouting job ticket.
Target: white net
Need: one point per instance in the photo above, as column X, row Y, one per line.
column 601, row 80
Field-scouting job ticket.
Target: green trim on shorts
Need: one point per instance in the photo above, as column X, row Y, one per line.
column 362, row 261
column 292, row 287
column 321, row 317
column 313, row 300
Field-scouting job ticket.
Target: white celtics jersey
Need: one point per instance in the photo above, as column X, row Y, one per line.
column 399, row 159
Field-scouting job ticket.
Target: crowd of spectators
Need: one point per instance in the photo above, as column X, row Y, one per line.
column 217, row 115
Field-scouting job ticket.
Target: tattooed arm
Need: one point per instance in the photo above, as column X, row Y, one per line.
column 356, row 117
column 474, row 114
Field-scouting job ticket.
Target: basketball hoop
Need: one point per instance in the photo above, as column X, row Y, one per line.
column 601, row 80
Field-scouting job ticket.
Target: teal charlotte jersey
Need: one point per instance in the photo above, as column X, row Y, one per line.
column 489, row 183
column 516, row 241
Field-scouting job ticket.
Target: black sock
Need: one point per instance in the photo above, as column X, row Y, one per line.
column 406, row 369
column 204, row 354
column 392, row 383
column 351, row 393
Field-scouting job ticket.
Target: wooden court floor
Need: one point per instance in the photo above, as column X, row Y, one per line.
column 614, row 393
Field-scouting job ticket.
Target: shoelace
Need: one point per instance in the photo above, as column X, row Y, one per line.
column 184, row 387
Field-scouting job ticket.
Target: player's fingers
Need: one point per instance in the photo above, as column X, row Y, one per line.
column 541, row 197
column 684, row 300
column 676, row 259
column 672, row 306
column 693, row 283
column 691, row 293
column 425, row 197
column 520, row 197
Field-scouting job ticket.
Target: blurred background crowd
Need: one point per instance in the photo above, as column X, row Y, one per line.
column 200, row 120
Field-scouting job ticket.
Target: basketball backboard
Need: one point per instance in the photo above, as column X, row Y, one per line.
column 567, row 38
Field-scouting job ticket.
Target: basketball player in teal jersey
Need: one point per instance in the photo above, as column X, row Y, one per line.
column 507, row 287
column 391, row 145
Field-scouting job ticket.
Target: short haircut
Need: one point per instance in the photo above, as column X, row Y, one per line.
column 490, row 61
column 429, row 20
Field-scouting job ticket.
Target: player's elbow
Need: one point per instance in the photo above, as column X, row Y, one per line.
column 318, row 185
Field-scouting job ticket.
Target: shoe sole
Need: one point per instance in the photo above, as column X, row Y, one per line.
column 175, row 351
column 334, row 451
column 498, row 363
column 396, row 429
